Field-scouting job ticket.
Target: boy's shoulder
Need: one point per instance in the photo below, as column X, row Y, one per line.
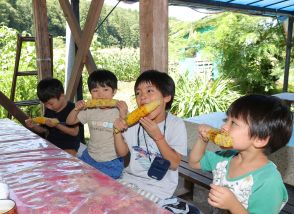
column 66, row 109
column 174, row 119
column 269, row 171
column 69, row 106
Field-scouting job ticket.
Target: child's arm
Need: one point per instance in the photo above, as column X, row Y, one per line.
column 223, row 198
column 35, row 127
column 72, row 131
column 72, row 118
column 167, row 152
column 199, row 147
column 121, row 147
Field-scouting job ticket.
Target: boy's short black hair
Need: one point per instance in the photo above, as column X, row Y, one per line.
column 162, row 81
column 102, row 77
column 267, row 116
column 49, row 88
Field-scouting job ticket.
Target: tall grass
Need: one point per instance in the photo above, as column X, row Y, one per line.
column 195, row 96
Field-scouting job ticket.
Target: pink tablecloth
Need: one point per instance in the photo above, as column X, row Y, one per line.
column 44, row 179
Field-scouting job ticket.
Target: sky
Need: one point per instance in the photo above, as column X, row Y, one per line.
column 179, row 12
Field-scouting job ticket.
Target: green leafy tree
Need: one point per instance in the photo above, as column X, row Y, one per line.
column 5, row 11
column 181, row 40
column 120, row 29
column 251, row 53
column 56, row 22
column 250, row 50
column 16, row 14
column 7, row 52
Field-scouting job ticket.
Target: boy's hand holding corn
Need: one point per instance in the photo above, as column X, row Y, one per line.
column 80, row 105
column 97, row 103
column 216, row 136
column 123, row 108
column 203, row 130
column 133, row 117
column 152, row 129
column 119, row 125
column 51, row 122
column 29, row 123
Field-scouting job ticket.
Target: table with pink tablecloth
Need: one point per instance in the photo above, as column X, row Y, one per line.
column 44, row 179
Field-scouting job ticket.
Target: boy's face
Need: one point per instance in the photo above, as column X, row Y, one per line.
column 55, row 104
column 239, row 131
column 102, row 92
column 145, row 93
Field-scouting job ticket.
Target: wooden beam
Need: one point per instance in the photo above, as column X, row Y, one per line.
column 86, row 38
column 13, row 109
column 76, row 32
column 154, row 35
column 42, row 39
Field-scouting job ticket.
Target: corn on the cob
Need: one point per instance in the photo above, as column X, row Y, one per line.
column 140, row 112
column 220, row 138
column 93, row 103
column 41, row 120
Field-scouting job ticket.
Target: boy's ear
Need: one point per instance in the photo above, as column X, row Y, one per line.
column 62, row 96
column 114, row 91
column 260, row 143
column 167, row 99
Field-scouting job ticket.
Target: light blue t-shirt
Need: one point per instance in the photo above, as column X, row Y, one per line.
column 260, row 191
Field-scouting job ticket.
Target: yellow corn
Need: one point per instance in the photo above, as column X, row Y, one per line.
column 41, row 120
column 220, row 138
column 140, row 112
column 93, row 103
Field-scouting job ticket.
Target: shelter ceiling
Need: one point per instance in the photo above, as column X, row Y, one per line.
column 258, row 7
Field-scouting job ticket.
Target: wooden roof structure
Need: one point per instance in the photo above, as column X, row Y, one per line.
column 153, row 36
column 153, row 31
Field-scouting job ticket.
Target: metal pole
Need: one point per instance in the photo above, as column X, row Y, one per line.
column 70, row 45
column 71, row 50
column 288, row 54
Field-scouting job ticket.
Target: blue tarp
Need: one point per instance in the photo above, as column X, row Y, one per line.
column 260, row 7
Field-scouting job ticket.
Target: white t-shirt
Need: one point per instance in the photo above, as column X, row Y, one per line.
column 136, row 172
column 100, row 122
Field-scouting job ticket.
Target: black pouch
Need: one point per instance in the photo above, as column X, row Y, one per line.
column 158, row 168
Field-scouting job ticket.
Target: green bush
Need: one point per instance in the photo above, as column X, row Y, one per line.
column 26, row 86
column 195, row 96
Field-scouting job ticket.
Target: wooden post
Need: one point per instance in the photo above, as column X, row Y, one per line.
column 154, row 35
column 42, row 39
column 76, row 32
column 83, row 47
